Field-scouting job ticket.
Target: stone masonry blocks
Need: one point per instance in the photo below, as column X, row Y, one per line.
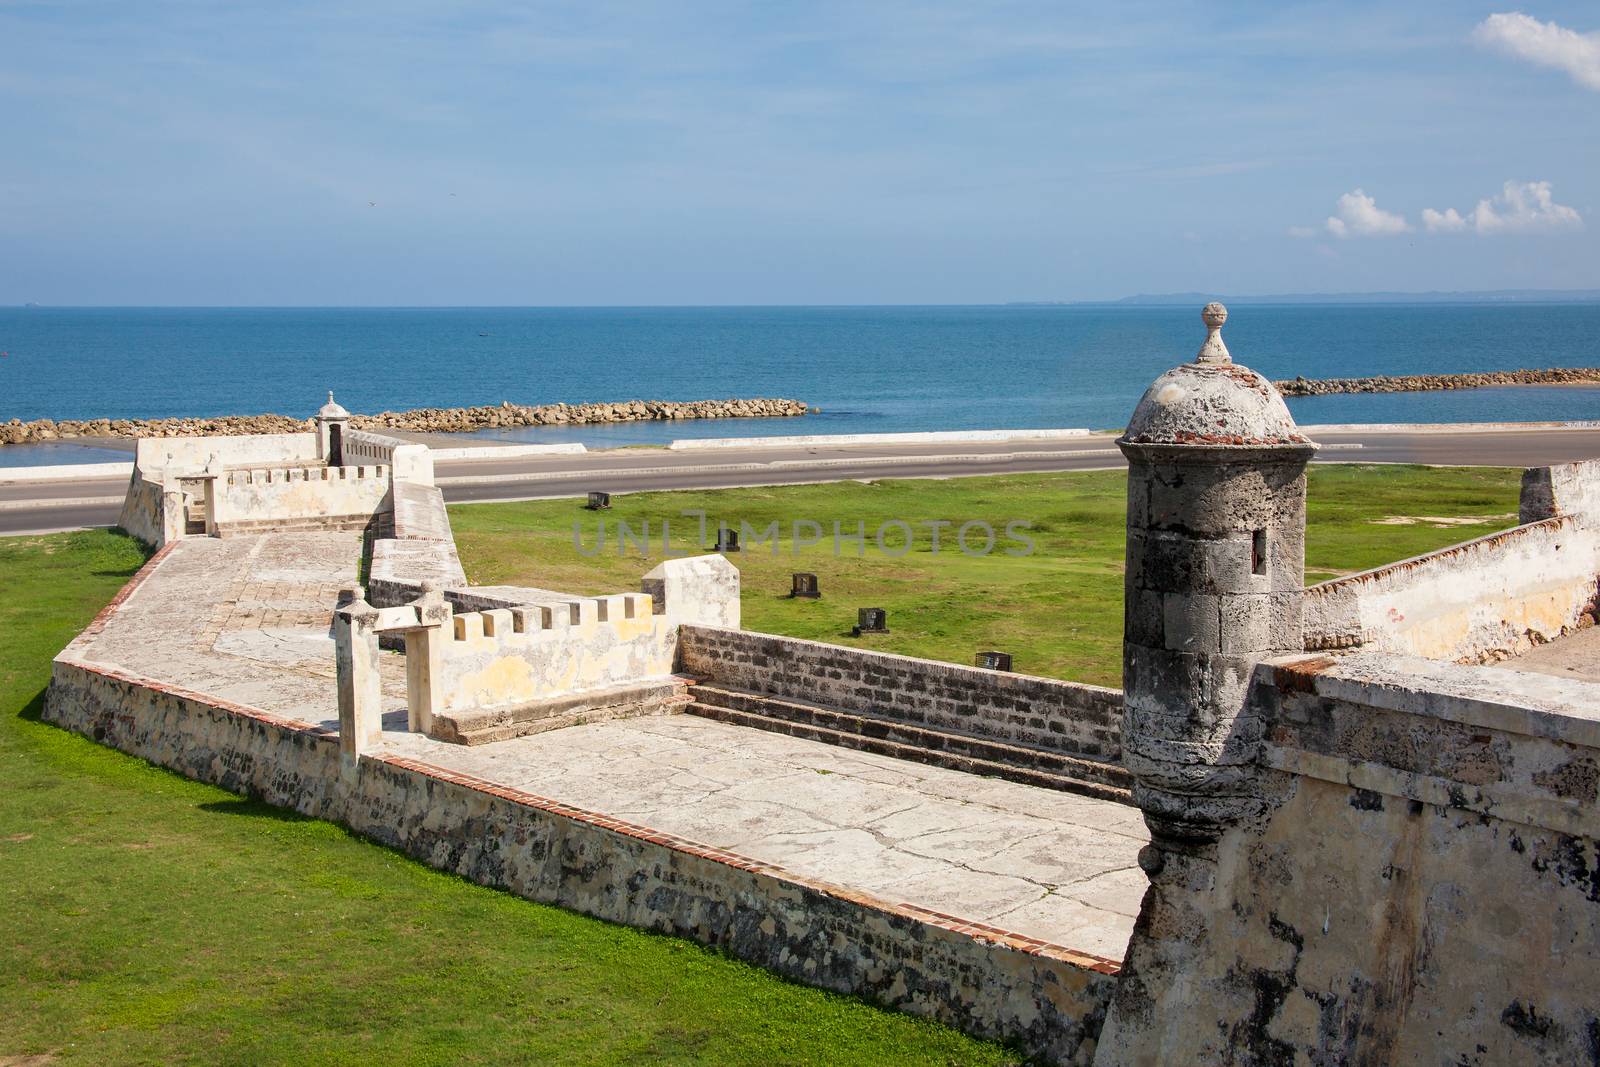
column 1080, row 720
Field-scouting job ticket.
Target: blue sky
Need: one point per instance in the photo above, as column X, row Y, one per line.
column 599, row 153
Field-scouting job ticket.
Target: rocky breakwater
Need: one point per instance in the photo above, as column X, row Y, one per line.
column 1422, row 383
column 421, row 420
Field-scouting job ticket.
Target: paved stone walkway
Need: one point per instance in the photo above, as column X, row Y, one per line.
column 1577, row 655
column 1051, row 865
column 248, row 619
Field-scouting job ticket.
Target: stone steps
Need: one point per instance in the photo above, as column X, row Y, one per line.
column 908, row 741
column 318, row 524
column 658, row 696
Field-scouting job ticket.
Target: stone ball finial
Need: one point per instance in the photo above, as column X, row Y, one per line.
column 1212, row 402
column 1213, row 351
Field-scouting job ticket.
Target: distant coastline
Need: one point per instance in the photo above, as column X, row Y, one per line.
column 1484, row 296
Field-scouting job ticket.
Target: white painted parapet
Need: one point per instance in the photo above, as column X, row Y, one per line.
column 422, row 550
column 1481, row 600
column 410, row 462
column 702, row 590
column 245, row 450
column 281, row 494
column 1484, row 599
column 510, row 656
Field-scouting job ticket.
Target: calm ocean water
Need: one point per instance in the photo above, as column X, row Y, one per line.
column 870, row 369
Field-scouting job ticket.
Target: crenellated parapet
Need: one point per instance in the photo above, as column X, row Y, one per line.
column 286, row 475
column 538, row 652
column 410, row 461
column 625, row 614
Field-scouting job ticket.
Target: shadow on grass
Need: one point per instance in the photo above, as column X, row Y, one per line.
column 258, row 809
column 33, row 710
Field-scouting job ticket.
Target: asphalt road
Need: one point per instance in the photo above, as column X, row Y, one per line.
column 43, row 506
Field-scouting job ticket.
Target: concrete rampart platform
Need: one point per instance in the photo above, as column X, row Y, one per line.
column 1010, row 906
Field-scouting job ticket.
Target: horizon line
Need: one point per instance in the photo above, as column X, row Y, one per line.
column 1581, row 295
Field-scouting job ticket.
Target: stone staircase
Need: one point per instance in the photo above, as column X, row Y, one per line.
column 868, row 732
column 314, row 524
column 655, row 696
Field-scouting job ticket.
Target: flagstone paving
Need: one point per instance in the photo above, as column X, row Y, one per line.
column 248, row 619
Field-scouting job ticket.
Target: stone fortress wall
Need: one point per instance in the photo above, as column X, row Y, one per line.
column 1480, row 601
column 170, row 474
column 1045, row 998
column 488, row 663
column 268, row 498
column 1367, row 845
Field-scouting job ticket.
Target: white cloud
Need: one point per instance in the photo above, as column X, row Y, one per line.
column 1521, row 207
column 1447, row 221
column 1358, row 215
column 1544, row 43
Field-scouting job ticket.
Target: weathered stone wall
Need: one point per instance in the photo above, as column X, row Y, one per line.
column 1424, row 889
column 523, row 654
column 244, row 750
column 255, row 498
column 1472, row 602
column 141, row 510
column 1048, row 1000
column 1065, row 716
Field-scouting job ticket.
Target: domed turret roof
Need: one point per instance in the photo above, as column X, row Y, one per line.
column 1212, row 401
column 332, row 410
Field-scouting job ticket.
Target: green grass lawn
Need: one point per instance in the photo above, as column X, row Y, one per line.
column 1058, row 610
column 153, row 919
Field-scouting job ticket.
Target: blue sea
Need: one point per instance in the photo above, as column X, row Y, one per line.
column 870, row 369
